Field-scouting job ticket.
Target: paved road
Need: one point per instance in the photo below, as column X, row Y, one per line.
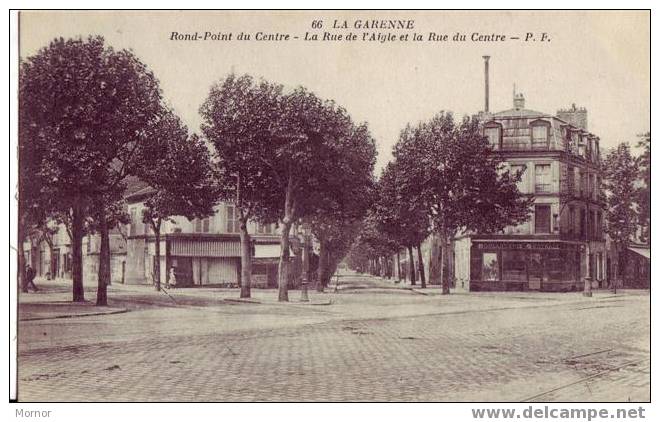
column 375, row 342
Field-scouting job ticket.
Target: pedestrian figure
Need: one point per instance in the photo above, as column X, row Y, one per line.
column 29, row 279
column 172, row 281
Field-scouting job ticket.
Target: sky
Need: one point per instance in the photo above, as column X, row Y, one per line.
column 598, row 60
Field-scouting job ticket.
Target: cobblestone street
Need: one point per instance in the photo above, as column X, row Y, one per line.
column 374, row 341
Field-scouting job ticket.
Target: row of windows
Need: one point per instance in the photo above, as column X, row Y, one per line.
column 580, row 223
column 574, row 143
column 201, row 225
column 542, row 178
column 585, row 223
column 578, row 183
column 583, row 184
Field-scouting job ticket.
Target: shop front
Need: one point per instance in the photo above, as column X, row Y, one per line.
column 524, row 266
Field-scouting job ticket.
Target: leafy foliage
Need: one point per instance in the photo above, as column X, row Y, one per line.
column 644, row 191
column 177, row 167
column 620, row 174
column 83, row 111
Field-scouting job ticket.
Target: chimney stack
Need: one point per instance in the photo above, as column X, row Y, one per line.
column 486, row 58
column 577, row 116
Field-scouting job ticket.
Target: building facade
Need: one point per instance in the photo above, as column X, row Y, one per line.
column 199, row 251
column 563, row 241
column 49, row 253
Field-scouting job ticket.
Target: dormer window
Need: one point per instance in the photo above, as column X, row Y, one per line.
column 582, row 147
column 540, row 134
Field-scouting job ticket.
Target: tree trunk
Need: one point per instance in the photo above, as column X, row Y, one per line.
column 77, row 231
column 21, row 258
column 444, row 259
column 420, row 264
column 398, row 266
column 323, row 265
column 411, row 266
column 246, row 259
column 283, row 280
column 623, row 265
column 156, row 227
column 104, row 261
column 434, row 260
column 451, row 262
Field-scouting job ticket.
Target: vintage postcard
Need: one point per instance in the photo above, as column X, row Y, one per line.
column 334, row 206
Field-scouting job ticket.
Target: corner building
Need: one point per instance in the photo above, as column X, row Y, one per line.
column 563, row 241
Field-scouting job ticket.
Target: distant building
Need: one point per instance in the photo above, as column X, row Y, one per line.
column 50, row 255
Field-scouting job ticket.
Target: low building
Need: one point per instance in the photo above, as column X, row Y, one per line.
column 50, row 254
column 199, row 251
column 637, row 274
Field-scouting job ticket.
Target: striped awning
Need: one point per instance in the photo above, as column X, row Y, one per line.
column 213, row 248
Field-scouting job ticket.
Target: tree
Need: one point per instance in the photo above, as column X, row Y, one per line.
column 238, row 116
column 343, row 195
column 371, row 246
column 401, row 215
column 620, row 174
column 178, row 169
column 304, row 138
column 86, row 108
column 453, row 171
column 644, row 191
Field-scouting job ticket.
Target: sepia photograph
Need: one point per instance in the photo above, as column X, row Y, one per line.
column 447, row 206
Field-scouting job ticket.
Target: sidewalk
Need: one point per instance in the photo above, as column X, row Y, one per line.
column 53, row 300
column 358, row 297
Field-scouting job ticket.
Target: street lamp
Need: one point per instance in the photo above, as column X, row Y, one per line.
column 306, row 231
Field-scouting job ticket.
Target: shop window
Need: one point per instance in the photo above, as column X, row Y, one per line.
column 542, row 180
column 542, row 218
column 490, row 267
column 555, row 264
column 540, row 136
column 494, row 135
column 514, row 266
column 535, row 267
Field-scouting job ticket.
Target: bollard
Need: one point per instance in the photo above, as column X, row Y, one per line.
column 303, row 292
column 587, row 287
